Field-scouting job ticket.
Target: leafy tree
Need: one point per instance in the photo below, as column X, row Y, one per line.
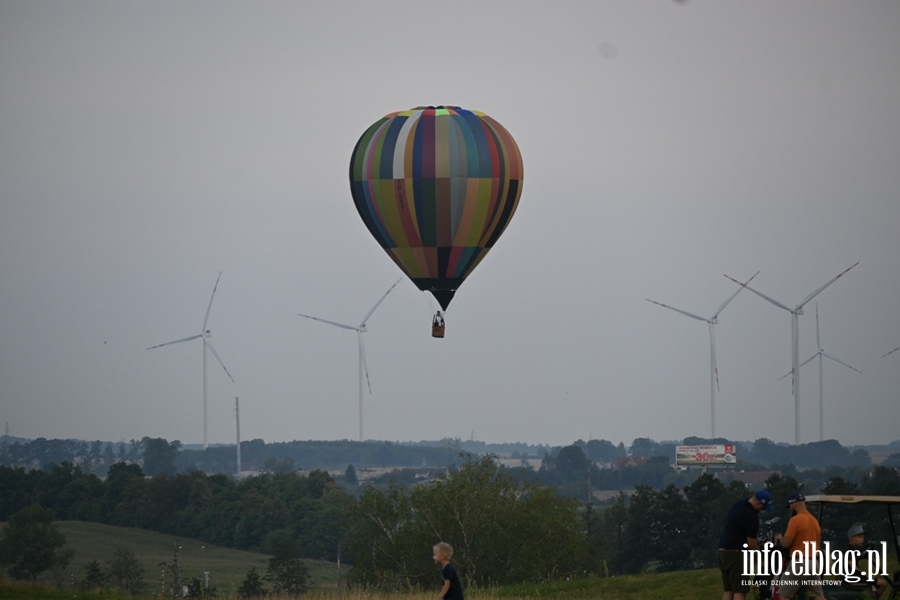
column 119, row 478
column 594, row 534
column 766, row 452
column 652, row 473
column 109, row 456
column 125, row 571
column 350, row 476
column 572, row 464
column 708, row 501
column 287, row 571
column 639, row 534
column 159, row 455
column 882, row 481
column 263, row 515
column 320, row 528
column 669, row 526
column 781, row 488
column 93, row 576
column 502, row 529
column 600, row 451
column 59, row 571
column 644, row 448
column 839, row 485
column 252, row 586
column 615, row 523
column 892, row 461
column 31, row 543
column 568, row 471
column 381, row 540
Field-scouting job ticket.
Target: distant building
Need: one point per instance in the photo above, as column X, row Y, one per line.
column 748, row 478
column 628, row 461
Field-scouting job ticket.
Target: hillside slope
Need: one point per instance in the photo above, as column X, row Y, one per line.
column 227, row 567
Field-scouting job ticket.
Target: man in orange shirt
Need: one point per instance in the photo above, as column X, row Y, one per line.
column 802, row 527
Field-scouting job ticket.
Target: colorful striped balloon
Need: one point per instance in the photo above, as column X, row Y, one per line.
column 436, row 186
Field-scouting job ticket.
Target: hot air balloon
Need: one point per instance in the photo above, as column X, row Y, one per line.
column 436, row 186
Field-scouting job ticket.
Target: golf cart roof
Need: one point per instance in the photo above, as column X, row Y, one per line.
column 852, row 499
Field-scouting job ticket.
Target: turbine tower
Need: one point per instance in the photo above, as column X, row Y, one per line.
column 363, row 367
column 713, row 365
column 795, row 338
column 204, row 335
column 820, row 354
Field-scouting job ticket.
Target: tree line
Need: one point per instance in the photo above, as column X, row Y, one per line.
column 98, row 456
column 252, row 514
column 506, row 524
column 256, row 455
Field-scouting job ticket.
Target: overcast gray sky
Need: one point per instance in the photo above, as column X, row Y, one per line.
column 146, row 146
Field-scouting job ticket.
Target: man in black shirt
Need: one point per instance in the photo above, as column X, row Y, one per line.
column 741, row 528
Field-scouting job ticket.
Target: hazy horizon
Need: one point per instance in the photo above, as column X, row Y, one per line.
column 147, row 147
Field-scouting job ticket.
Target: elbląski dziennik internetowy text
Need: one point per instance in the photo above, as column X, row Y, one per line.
column 813, row 562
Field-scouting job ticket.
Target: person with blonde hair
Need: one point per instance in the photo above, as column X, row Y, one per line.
column 452, row 588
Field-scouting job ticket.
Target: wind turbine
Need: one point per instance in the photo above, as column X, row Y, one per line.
column 891, row 352
column 363, row 367
column 795, row 338
column 820, row 354
column 204, row 335
column 713, row 366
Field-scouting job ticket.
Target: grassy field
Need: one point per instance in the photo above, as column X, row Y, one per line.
column 685, row 585
column 227, row 567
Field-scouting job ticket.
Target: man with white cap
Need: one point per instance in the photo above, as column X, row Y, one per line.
column 802, row 528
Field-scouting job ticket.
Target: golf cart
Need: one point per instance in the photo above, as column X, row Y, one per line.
column 834, row 512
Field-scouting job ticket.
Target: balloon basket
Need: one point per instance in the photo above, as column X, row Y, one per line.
column 437, row 331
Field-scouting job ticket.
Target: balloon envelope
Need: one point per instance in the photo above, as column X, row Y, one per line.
column 436, row 186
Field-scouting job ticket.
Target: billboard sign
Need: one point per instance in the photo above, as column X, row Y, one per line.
column 705, row 455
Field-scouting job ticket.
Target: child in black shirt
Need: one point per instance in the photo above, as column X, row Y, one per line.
column 452, row 589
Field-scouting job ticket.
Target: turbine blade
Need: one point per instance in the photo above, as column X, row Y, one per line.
column 369, row 314
column 761, row 295
column 678, row 310
column 341, row 325
column 816, row 293
column 809, row 360
column 208, row 308
column 891, row 352
column 216, row 354
column 840, row 361
column 730, row 298
column 362, row 355
column 798, row 366
column 187, row 339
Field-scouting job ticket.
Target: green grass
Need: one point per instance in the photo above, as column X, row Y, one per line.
column 227, row 567
column 685, row 585
column 679, row 585
column 26, row 591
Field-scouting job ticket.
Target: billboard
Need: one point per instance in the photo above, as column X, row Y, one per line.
column 705, row 455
